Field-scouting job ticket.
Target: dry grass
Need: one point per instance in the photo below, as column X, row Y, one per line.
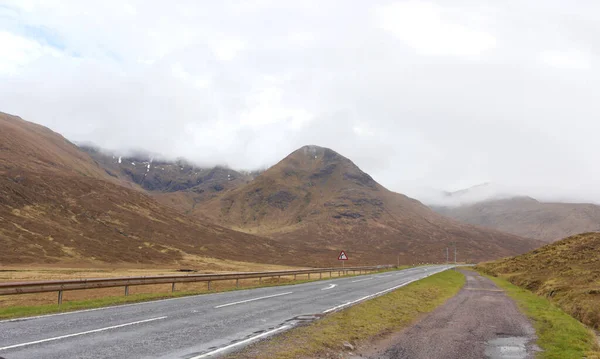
column 566, row 272
column 202, row 265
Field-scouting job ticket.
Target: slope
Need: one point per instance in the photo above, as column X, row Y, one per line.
column 178, row 184
column 58, row 205
column 567, row 272
column 526, row 217
column 317, row 197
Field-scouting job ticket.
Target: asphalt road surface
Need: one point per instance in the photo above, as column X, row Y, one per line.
column 203, row 326
column 479, row 322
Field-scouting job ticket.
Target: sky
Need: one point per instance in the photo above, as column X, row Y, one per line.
column 423, row 95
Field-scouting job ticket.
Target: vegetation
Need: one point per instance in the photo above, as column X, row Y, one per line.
column 360, row 323
column 560, row 336
column 566, row 272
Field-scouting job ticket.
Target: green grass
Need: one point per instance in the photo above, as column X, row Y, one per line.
column 69, row 306
column 560, row 336
column 369, row 320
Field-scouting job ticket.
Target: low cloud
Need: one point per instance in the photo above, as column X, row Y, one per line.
column 422, row 95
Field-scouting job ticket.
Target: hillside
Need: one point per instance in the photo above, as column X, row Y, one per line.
column 527, row 217
column 567, row 272
column 178, row 184
column 317, row 197
column 58, row 206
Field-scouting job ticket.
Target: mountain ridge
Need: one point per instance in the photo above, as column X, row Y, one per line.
column 527, row 217
column 318, row 196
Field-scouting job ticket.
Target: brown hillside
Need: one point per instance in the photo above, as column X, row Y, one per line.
column 317, row 197
column 526, row 217
column 31, row 147
column 58, row 205
column 567, row 272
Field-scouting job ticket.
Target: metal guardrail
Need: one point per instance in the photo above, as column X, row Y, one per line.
column 13, row 288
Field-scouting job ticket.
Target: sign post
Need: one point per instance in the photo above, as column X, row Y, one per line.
column 342, row 257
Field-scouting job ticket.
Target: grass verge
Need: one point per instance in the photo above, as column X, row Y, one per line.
column 360, row 323
column 69, row 306
column 560, row 336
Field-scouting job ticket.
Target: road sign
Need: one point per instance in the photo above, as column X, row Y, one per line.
column 342, row 256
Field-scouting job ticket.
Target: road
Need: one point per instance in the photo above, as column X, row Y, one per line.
column 195, row 327
column 481, row 321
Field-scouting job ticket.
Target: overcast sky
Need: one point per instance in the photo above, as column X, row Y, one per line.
column 420, row 94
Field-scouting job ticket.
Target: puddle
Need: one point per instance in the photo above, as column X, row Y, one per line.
column 506, row 348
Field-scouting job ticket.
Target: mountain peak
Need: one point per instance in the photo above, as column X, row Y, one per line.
column 316, row 165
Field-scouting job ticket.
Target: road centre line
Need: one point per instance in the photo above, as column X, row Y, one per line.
column 81, row 333
column 206, row 355
column 331, row 286
column 362, row 280
column 252, row 300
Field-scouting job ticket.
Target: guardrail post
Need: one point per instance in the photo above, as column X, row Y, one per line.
column 278, row 278
column 208, row 285
column 308, row 275
column 237, row 283
column 259, row 280
column 320, row 275
column 126, row 290
column 60, row 293
column 294, row 276
column 329, row 274
column 173, row 287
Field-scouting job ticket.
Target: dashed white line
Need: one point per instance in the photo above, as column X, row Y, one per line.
column 81, row 333
column 252, row 300
column 331, row 286
column 361, row 280
column 246, row 341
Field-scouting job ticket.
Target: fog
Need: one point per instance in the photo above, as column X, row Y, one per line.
column 425, row 96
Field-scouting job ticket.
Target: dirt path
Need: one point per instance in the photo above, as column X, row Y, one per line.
column 479, row 322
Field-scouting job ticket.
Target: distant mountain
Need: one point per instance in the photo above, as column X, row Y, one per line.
column 319, row 198
column 526, row 217
column 482, row 192
column 566, row 272
column 179, row 184
column 57, row 205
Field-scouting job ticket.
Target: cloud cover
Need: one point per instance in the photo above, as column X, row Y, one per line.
column 421, row 94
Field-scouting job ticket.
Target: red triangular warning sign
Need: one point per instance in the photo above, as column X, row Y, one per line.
column 342, row 256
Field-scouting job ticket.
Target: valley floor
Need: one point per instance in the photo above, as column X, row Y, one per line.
column 75, row 271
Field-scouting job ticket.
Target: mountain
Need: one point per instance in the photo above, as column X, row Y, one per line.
column 178, row 184
column 567, row 272
column 319, row 198
column 57, row 205
column 479, row 193
column 527, row 217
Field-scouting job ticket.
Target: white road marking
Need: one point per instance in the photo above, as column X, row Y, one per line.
column 331, row 286
column 81, row 333
column 252, row 300
column 403, row 271
column 384, row 276
column 362, row 280
column 206, row 355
